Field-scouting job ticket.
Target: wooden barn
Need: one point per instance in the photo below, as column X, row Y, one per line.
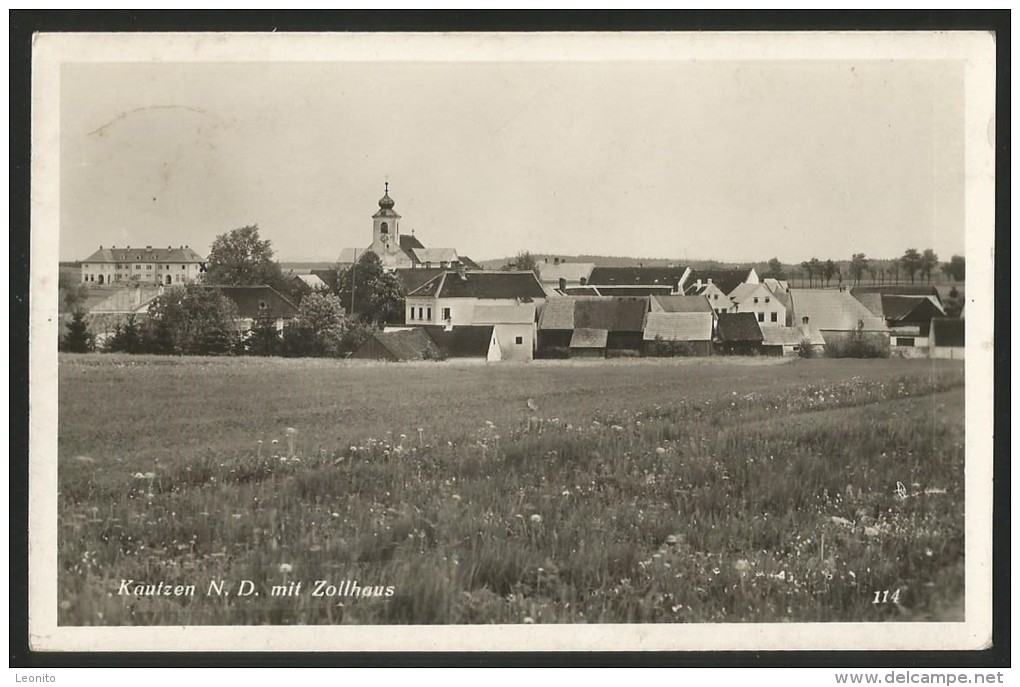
column 739, row 333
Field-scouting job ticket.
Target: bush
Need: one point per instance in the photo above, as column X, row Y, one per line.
column 859, row 345
column 79, row 337
column 806, row 349
column 661, row 348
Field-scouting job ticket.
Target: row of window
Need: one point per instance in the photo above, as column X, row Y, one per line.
column 425, row 313
column 773, row 317
column 148, row 266
column 767, row 299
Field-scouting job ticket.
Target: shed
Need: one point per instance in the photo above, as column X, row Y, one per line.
column 399, row 345
column 786, row 341
column 586, row 342
column 948, row 338
column 693, row 329
column 739, row 334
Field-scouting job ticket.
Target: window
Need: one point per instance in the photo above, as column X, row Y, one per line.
column 263, row 305
column 148, row 267
column 384, row 228
column 767, row 299
column 774, row 317
column 410, row 315
column 761, row 317
column 904, row 341
column 138, row 267
column 428, row 314
column 446, row 313
column 421, row 313
column 86, row 264
column 182, row 267
column 519, row 340
column 755, row 299
column 715, row 296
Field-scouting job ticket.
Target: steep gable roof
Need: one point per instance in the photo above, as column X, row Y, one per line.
column 249, row 299
column 678, row 326
column 461, row 342
column 744, row 292
column 739, row 327
column 672, row 303
column 571, row 271
column 900, row 290
column 636, row 276
column 412, row 278
column 726, row 280
column 831, row 310
column 468, row 263
column 912, row 308
column 409, row 242
column 872, row 300
column 948, row 331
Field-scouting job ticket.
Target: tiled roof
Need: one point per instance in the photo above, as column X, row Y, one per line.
column 408, row 344
column 312, row 281
column 483, row 284
column 911, row 308
column 413, row 277
column 870, row 300
column 683, row 303
column 727, row 280
column 647, row 290
column 678, row 326
column 571, row 271
column 409, row 242
column 776, row 285
column 744, row 292
column 557, row 313
column 581, row 291
column 462, row 342
column 468, row 263
column 249, row 298
column 791, row 336
column 585, row 337
column 147, row 254
column 127, row 300
column 739, row 326
column 636, row 276
column 832, row 310
column 611, row 314
column 948, row 331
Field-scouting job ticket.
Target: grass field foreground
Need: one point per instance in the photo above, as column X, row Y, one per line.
column 638, row 491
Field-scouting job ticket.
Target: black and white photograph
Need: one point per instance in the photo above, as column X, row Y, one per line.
column 491, row 341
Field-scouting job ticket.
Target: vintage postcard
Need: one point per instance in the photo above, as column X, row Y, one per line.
column 495, row 342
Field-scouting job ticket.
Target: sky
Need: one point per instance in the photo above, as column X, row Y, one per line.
column 686, row 160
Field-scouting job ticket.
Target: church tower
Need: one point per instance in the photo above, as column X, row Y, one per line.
column 386, row 225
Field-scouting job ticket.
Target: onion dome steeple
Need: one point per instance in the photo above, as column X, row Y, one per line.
column 386, row 203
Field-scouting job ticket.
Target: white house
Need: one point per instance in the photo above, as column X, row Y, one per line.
column 760, row 300
column 165, row 266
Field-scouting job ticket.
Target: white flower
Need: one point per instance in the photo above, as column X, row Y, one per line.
column 660, row 451
column 286, row 568
column 536, row 519
column 291, row 431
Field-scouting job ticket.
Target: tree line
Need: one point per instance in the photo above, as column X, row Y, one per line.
column 912, row 265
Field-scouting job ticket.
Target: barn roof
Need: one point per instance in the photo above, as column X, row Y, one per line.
column 249, row 300
column 900, row 308
column 739, row 327
column 413, row 277
column 312, row 281
column 872, row 300
column 407, row 344
column 461, row 342
column 436, row 255
column 679, row 326
column 726, row 280
column 948, row 331
column 634, row 291
column 900, row 290
column 147, row 254
column 611, row 314
column 571, row 271
column 672, row 303
column 832, row 310
column 636, row 276
column 586, row 337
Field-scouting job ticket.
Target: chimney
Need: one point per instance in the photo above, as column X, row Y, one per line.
column 584, row 281
column 148, row 248
column 563, row 283
column 100, row 246
column 804, row 320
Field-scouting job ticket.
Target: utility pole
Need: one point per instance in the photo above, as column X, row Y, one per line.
column 354, row 274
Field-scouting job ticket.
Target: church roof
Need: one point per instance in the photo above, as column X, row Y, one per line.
column 409, row 242
column 436, row 255
column 147, row 254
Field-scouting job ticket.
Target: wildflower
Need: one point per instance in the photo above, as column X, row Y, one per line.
column 672, row 540
column 871, row 532
column 291, row 431
column 455, row 497
column 139, row 475
column 742, row 566
column 660, row 451
column 529, row 620
column 335, row 515
column 286, row 568
column 536, row 519
column 259, row 442
column 275, row 442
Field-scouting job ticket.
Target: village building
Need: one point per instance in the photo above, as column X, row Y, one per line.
column 398, row 346
column 113, row 311
column 254, row 302
column 166, row 266
column 790, row 341
column 719, row 301
column 508, row 301
column 760, row 301
column 836, row 314
column 609, row 326
column 401, row 251
column 559, row 274
column 304, row 284
column 686, row 320
column 739, row 334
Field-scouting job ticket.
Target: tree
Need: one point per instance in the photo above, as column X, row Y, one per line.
column 955, row 269
column 858, row 264
column 911, row 262
column 318, row 329
column 929, row 261
column 72, row 292
column 525, row 262
column 191, row 320
column 264, row 338
column 126, row 338
column 829, row 270
column 78, row 338
column 953, row 304
column 240, row 258
column 809, row 269
column 776, row 269
column 371, row 293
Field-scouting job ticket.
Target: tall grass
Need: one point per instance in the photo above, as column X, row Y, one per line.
column 788, row 491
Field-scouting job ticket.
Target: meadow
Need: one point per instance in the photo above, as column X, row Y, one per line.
column 683, row 490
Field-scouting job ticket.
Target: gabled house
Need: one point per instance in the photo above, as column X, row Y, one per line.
column 760, row 301
column 509, row 301
column 622, row 320
column 719, row 301
column 687, row 320
column 909, row 320
column 836, row 314
column 165, row 266
column 256, row 301
column 399, row 345
column 738, row 334
column 560, row 274
column 128, row 301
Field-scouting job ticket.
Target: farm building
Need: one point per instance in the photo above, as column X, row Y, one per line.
column 463, row 342
column 758, row 300
column 586, row 342
column 786, row 341
column 836, row 314
column 623, row 320
column 451, row 297
column 304, row 284
column 720, row 301
column 666, row 331
column 255, row 301
column 898, row 290
column 909, row 321
column 739, row 334
column 947, row 338
column 399, row 345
